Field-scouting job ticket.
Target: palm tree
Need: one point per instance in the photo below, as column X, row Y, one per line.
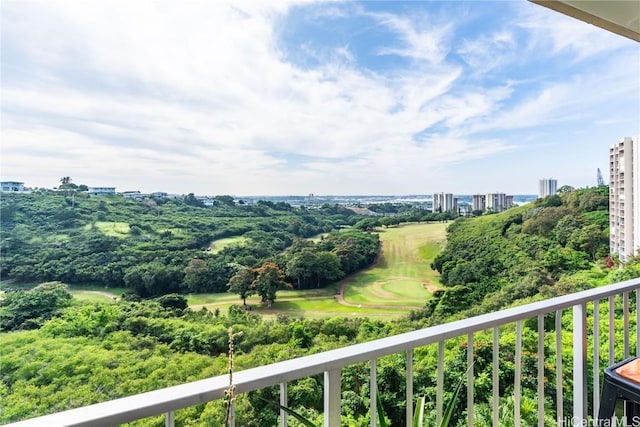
column 65, row 180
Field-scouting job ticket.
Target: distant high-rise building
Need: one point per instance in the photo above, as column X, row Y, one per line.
column 479, row 202
column 509, row 202
column 624, row 197
column 444, row 202
column 498, row 202
column 599, row 178
column 548, row 187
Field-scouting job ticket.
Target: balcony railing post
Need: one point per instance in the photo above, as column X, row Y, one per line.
column 625, row 317
column 580, row 362
column 373, row 388
column 332, row 398
column 541, row 370
column 169, row 419
column 517, row 380
column 596, row 358
column 409, row 394
column 440, row 382
column 637, row 322
column 496, row 376
column 559, row 393
column 611, row 331
column 470, row 382
column 283, row 402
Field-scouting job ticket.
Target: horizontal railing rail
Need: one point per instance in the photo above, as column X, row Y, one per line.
column 167, row 400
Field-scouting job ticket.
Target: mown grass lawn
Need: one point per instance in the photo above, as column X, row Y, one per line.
column 284, row 294
column 91, row 296
column 325, row 307
column 401, row 280
column 402, row 276
column 113, row 229
column 220, row 244
column 95, row 293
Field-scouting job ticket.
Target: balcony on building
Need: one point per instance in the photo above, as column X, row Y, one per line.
column 608, row 317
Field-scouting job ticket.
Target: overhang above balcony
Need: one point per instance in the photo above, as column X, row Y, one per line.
column 618, row 16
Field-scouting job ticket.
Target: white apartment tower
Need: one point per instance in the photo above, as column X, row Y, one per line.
column 548, row 187
column 498, row 202
column 444, row 202
column 624, row 197
column 479, row 202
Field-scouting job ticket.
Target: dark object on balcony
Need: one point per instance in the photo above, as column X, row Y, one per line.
column 621, row 381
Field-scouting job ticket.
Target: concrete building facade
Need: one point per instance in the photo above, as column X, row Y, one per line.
column 548, row 187
column 624, row 197
column 479, row 202
column 11, row 186
column 508, row 202
column 444, row 202
column 498, row 202
column 102, row 191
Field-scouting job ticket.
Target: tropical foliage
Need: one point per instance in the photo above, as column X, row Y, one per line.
column 555, row 246
column 85, row 353
column 160, row 246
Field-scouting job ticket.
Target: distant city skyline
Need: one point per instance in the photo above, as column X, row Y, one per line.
column 298, row 97
column 20, row 186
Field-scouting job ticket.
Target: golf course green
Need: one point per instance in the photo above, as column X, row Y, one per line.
column 400, row 280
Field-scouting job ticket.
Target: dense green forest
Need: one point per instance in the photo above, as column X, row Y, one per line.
column 163, row 246
column 84, row 353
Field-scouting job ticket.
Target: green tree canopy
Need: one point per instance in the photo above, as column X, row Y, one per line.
column 242, row 284
column 29, row 309
column 269, row 278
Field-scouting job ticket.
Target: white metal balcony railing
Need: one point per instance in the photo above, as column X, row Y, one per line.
column 166, row 401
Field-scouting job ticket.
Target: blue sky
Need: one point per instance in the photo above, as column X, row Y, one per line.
column 287, row 97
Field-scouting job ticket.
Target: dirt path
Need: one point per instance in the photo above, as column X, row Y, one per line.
column 103, row 294
column 430, row 286
column 199, row 306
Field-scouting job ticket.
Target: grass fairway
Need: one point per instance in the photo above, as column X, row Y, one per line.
column 91, row 296
column 95, row 293
column 402, row 276
column 113, row 229
column 220, row 244
column 401, row 280
column 226, row 299
column 326, row 307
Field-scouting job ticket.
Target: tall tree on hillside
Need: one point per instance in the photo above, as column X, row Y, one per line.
column 269, row 278
column 242, row 283
column 301, row 265
column 327, row 267
column 590, row 239
column 195, row 275
column 65, row 180
column 565, row 189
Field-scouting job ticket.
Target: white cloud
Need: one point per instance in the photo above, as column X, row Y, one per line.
column 423, row 42
column 199, row 97
column 553, row 34
column 581, row 99
column 489, row 51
